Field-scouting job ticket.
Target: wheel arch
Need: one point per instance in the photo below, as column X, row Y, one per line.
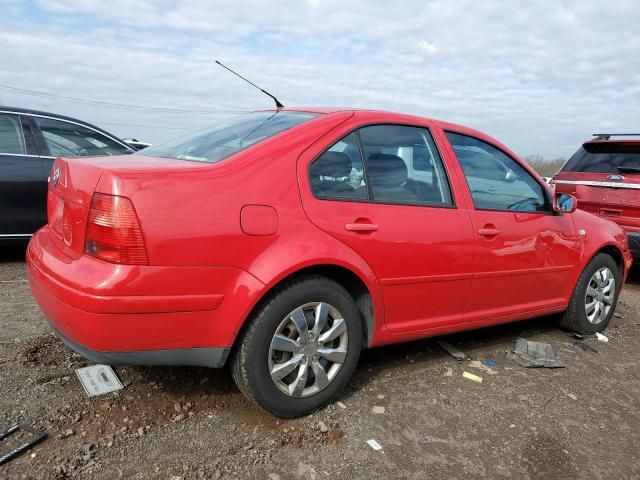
column 613, row 251
column 363, row 292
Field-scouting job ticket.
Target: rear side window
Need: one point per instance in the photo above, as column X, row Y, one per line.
column 496, row 181
column 403, row 166
column 11, row 137
column 217, row 143
column 70, row 139
column 605, row 157
column 338, row 173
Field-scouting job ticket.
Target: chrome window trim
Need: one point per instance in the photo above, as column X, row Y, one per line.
column 21, row 235
column 68, row 121
column 594, row 183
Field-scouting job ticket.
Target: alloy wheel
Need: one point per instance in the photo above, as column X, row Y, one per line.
column 599, row 296
column 308, row 349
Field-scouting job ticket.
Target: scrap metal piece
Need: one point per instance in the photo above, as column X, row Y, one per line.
column 534, row 355
column 37, row 437
column 451, row 350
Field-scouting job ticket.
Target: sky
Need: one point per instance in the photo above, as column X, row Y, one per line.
column 540, row 76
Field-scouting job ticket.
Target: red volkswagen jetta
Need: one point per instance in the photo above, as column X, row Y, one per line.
column 287, row 241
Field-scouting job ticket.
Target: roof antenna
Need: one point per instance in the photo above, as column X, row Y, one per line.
column 278, row 104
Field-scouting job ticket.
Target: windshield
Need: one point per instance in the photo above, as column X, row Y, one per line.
column 217, row 143
column 605, row 157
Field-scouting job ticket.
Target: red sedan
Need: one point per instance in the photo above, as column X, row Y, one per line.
column 287, row 241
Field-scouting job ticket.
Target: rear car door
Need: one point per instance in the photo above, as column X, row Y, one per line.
column 384, row 192
column 525, row 252
column 23, row 180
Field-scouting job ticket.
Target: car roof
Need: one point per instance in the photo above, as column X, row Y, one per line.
column 387, row 114
column 28, row 111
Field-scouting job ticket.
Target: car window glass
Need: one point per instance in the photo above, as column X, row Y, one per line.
column 496, row 181
column 69, row 139
column 11, row 137
column 403, row 166
column 338, row 173
column 216, row 143
column 606, row 157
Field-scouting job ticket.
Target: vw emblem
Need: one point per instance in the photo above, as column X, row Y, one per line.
column 56, row 176
column 616, row 178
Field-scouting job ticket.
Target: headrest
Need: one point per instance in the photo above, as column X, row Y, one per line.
column 386, row 170
column 331, row 164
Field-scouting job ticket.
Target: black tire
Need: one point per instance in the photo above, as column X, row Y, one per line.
column 575, row 317
column 249, row 362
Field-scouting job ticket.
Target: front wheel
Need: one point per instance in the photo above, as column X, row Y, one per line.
column 595, row 296
column 300, row 348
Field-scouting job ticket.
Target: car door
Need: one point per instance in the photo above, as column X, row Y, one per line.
column 362, row 187
column 525, row 252
column 58, row 137
column 23, row 180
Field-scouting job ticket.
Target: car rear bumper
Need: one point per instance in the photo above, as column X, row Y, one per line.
column 152, row 315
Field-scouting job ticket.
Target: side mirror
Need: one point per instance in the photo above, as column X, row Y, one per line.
column 564, row 203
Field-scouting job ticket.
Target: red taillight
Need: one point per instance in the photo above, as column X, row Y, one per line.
column 113, row 231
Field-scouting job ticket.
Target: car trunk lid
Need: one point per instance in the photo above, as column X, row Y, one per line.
column 73, row 181
column 605, row 177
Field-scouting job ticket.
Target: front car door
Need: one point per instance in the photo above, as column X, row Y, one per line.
column 384, row 192
column 525, row 252
column 23, row 180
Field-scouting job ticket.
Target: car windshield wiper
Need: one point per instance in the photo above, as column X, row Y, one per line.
column 628, row 169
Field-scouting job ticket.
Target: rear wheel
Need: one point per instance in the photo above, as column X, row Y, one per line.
column 595, row 296
column 300, row 349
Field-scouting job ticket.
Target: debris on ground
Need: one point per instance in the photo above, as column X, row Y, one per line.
column 448, row 372
column 378, row 409
column 583, row 336
column 98, row 380
column 373, row 444
column 451, row 350
column 481, row 366
column 587, row 348
column 429, row 439
column 490, row 363
column 534, row 355
column 472, row 377
column 601, row 337
column 35, row 437
column 572, row 396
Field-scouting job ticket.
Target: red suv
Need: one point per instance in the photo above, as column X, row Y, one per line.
column 287, row 241
column 604, row 174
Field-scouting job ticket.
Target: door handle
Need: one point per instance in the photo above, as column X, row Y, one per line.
column 361, row 227
column 488, row 232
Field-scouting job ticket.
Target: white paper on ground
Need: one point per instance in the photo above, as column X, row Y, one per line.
column 373, row 444
column 601, row 337
column 98, row 380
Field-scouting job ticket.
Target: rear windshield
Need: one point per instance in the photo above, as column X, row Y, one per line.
column 605, row 157
column 217, row 143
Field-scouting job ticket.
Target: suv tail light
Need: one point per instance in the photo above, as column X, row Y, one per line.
column 113, row 231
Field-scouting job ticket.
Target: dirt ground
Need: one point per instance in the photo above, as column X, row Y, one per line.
column 582, row 421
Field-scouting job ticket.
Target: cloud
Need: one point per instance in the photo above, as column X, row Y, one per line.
column 540, row 76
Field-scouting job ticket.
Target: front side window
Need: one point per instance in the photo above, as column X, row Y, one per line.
column 338, row 173
column 11, row 137
column 66, row 139
column 217, row 143
column 403, row 166
column 496, row 181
